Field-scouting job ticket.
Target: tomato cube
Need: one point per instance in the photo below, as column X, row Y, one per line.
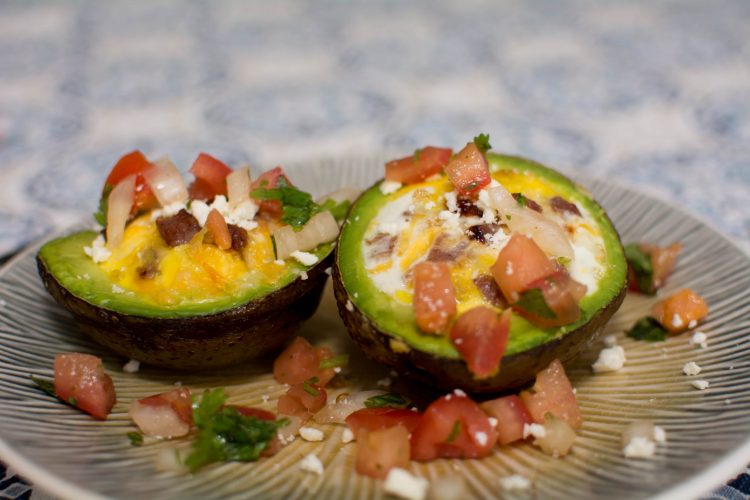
column 424, row 163
column 302, row 400
column 211, row 175
column 680, row 311
column 381, row 450
column 373, row 419
column 134, row 163
column 468, row 170
column 168, row 415
column 511, row 415
column 301, row 361
column 434, row 296
column 481, row 337
column 553, row 394
column 518, row 264
column 80, row 380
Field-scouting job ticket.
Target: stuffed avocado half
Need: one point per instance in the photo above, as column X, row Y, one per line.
column 199, row 276
column 432, row 260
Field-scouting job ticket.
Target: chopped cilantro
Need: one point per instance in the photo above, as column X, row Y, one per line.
column 338, row 210
column 307, row 386
column 136, row 438
column 72, row 400
column 296, row 206
column 334, row 362
column 47, row 386
column 455, row 431
column 387, row 400
column 225, row 434
column 532, row 301
column 417, row 154
column 640, row 262
column 482, row 142
column 647, row 329
column 563, row 261
column 101, row 215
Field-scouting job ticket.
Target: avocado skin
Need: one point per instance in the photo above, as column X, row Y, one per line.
column 515, row 370
column 203, row 341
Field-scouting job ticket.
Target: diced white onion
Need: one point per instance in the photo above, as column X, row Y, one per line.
column 166, row 182
column 449, row 487
column 286, row 242
column 171, row 459
column 119, row 203
column 238, row 187
column 341, row 404
column 290, row 430
column 558, row 437
column 321, row 228
column 158, row 420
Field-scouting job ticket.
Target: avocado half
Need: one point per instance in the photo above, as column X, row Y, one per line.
column 197, row 336
column 386, row 329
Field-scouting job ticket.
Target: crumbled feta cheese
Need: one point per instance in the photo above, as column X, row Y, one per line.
column 168, row 210
column 336, row 369
column 692, row 323
column 691, row 368
column 701, row 385
column 481, row 438
column 699, row 338
column 311, row 463
column 429, row 205
column 98, row 250
column 131, row 366
column 536, row 430
column 349, row 306
column 285, row 439
column 200, row 210
column 303, row 275
column 279, row 262
column 117, row 289
column 347, row 436
column 311, row 434
column 451, row 201
column 515, row 483
column 388, row 187
column 610, row 340
column 450, row 219
column 305, row 258
column 639, row 447
column 610, row 359
column 402, row 484
column 493, row 422
column 660, row 435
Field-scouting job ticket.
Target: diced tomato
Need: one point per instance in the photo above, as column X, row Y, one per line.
column 518, row 264
column 381, row 450
column 663, row 260
column 452, row 427
column 434, row 296
column 210, row 177
column 552, row 393
column 301, row 361
column 168, row 415
column 80, row 380
column 373, row 419
column 468, row 170
column 269, row 180
column 302, row 400
column 424, row 163
column 561, row 295
column 219, row 230
column 511, row 415
column 274, row 445
column 678, row 312
column 133, row 163
column 481, row 337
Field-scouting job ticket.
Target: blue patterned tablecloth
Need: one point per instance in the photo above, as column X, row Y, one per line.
column 653, row 94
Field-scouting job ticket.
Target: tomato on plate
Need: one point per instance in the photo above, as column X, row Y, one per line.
column 167, row 415
column 452, row 427
column 424, row 163
column 511, row 415
column 274, row 445
column 468, row 171
column 680, row 311
column 518, row 264
column 270, row 180
column 301, row 361
column 133, row 163
column 649, row 266
column 372, row 419
column 553, row 394
column 561, row 295
column 80, row 380
column 434, row 296
column 302, row 400
column 379, row 451
column 210, row 177
column 480, row 337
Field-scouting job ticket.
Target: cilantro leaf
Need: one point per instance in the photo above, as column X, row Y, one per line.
column 136, row 438
column 532, row 301
column 225, row 434
column 417, row 154
column 390, row 399
column 307, row 386
column 455, row 431
column 101, row 215
column 640, row 262
column 297, row 206
column 334, row 362
column 647, row 329
column 482, row 142
column 47, row 386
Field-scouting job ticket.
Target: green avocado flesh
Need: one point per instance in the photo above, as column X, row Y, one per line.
column 397, row 319
column 80, row 275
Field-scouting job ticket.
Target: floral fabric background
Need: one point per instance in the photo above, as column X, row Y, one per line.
column 651, row 94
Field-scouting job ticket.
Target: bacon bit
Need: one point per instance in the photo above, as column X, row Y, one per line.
column 239, row 237
column 466, row 207
column 217, row 227
column 440, row 253
column 179, row 228
column 489, row 289
column 480, row 232
column 561, row 205
column 529, row 202
column 382, row 245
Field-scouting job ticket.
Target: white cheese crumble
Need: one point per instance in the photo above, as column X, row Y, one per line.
column 493, row 421
column 347, row 436
column 388, row 187
column 701, row 385
column 610, row 359
column 285, row 439
column 481, row 438
column 660, row 435
column 691, row 368
column 459, row 392
column 639, row 447
column 699, row 338
column 311, row 434
column 311, row 463
column 451, row 201
column 304, row 258
column 98, row 250
column 515, row 482
column 401, row 483
column 536, row 430
column 303, row 276
column 168, row 210
column 131, row 366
